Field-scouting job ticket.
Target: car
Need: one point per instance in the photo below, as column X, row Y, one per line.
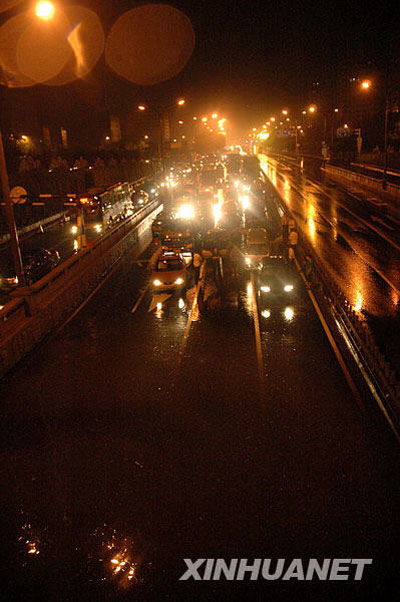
column 276, row 279
column 39, row 262
column 139, row 198
column 169, row 272
column 257, row 247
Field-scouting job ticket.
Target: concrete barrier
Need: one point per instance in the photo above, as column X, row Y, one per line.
column 36, row 310
column 368, row 181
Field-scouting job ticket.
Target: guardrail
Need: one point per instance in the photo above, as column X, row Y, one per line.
column 369, row 181
column 34, row 311
column 377, row 370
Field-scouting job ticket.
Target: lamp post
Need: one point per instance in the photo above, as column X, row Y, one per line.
column 9, row 211
column 44, row 10
column 159, row 113
column 385, row 157
column 365, row 85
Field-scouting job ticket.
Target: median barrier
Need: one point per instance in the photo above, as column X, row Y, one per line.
column 368, row 181
column 35, row 311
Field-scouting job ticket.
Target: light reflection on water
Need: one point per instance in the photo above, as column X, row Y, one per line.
column 104, row 557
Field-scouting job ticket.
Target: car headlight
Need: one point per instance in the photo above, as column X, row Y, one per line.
column 98, row 227
column 179, row 281
column 157, row 283
column 288, row 287
column 74, row 229
column 247, row 260
column 266, row 289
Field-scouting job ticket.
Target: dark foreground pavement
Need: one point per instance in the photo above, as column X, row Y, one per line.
column 132, row 438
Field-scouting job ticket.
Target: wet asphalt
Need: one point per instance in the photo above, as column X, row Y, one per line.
column 356, row 234
column 144, row 438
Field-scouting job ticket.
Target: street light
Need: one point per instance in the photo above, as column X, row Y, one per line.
column 158, row 112
column 44, row 10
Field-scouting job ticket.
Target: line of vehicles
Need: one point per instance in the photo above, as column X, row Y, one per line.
column 225, row 207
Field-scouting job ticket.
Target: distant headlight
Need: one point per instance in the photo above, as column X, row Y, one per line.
column 247, row 260
column 9, row 281
column 157, row 283
column 74, row 229
column 288, row 287
column 179, row 281
column 266, row 289
column 98, row 227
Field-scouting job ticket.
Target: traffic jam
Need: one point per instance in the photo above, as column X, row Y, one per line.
column 218, row 232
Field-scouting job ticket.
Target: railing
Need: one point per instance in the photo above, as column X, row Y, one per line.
column 369, row 181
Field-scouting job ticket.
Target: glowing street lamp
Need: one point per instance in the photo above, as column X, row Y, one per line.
column 312, row 109
column 181, row 102
column 365, row 84
column 44, row 10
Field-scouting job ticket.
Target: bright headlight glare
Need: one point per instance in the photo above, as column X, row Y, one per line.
column 265, row 289
column 288, row 287
column 157, row 283
column 247, row 260
column 74, row 229
column 179, row 281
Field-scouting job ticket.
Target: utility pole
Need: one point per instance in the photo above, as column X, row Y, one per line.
column 9, row 210
column 385, row 160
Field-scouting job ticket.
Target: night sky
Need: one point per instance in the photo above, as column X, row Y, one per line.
column 250, row 57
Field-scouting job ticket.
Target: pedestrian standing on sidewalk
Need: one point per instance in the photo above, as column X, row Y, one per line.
column 285, row 228
column 293, row 240
column 309, row 268
column 215, row 263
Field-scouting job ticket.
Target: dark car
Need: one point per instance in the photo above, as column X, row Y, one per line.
column 151, row 189
column 139, row 199
column 38, row 263
column 276, row 279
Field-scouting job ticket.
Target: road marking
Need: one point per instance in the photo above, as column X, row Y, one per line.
column 193, row 312
column 393, row 219
column 158, row 298
column 376, row 230
column 380, row 221
column 138, row 302
column 257, row 333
